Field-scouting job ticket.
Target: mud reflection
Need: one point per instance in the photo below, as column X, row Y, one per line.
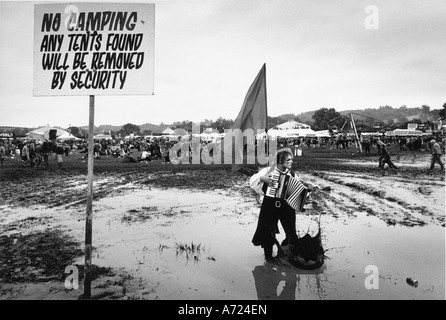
column 280, row 282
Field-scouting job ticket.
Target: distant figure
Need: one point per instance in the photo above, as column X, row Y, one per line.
column 366, row 145
column 38, row 152
column 145, row 156
column 59, row 150
column 436, row 155
column 379, row 144
column 2, row 154
column 385, row 158
column 32, row 154
column 46, row 149
column 96, row 150
column 25, row 155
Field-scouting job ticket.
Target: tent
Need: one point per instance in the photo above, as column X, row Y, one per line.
column 168, row 131
column 213, row 136
column 323, row 134
column 211, row 130
column 292, row 133
column 67, row 136
column 44, row 133
column 292, row 129
column 373, row 134
column 289, row 125
column 102, row 136
column 404, row 132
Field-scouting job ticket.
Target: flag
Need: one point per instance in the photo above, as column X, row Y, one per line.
column 252, row 115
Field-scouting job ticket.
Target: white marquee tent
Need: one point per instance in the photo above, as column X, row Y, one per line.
column 67, row 136
column 168, row 131
column 323, row 134
column 292, row 129
column 404, row 132
column 44, row 133
column 290, row 125
column 102, row 136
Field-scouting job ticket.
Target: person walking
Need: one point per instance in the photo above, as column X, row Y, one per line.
column 436, row 155
column 385, row 158
column 379, row 146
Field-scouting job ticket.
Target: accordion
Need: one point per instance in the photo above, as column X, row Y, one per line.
column 289, row 188
column 296, row 194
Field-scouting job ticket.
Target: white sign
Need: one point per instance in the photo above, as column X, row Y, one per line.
column 94, row 49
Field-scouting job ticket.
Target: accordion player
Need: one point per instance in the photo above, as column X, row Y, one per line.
column 279, row 202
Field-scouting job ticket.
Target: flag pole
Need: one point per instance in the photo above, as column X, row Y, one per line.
column 266, row 121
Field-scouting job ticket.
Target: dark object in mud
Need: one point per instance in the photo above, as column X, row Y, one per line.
column 412, row 282
column 305, row 252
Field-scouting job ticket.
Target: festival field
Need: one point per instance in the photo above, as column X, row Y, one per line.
column 165, row 231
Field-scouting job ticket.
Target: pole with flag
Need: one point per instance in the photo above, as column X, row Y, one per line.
column 251, row 118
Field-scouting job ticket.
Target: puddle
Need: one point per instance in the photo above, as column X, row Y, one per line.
column 141, row 229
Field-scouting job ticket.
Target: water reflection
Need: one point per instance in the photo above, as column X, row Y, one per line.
column 278, row 281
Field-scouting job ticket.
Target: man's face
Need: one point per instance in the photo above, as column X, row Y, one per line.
column 288, row 162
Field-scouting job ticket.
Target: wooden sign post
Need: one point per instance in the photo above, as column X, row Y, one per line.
column 89, row 213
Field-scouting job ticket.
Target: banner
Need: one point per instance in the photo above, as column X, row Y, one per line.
column 94, row 49
column 251, row 119
column 7, row 134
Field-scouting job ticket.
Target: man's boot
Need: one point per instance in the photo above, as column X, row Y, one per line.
column 268, row 250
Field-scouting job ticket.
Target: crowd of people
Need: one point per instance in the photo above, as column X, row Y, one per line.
column 132, row 150
column 368, row 143
column 33, row 153
column 36, row 153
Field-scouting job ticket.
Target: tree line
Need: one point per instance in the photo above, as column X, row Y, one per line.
column 366, row 120
column 385, row 118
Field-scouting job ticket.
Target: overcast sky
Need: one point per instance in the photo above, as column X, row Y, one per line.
column 208, row 52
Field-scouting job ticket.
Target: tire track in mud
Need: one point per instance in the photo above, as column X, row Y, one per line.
column 56, row 190
column 343, row 192
column 352, row 194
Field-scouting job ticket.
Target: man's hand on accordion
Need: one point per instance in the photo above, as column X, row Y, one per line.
column 267, row 179
column 311, row 190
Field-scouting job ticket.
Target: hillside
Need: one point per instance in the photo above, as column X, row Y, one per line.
column 157, row 128
column 386, row 114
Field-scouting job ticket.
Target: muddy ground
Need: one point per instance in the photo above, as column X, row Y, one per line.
column 164, row 231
